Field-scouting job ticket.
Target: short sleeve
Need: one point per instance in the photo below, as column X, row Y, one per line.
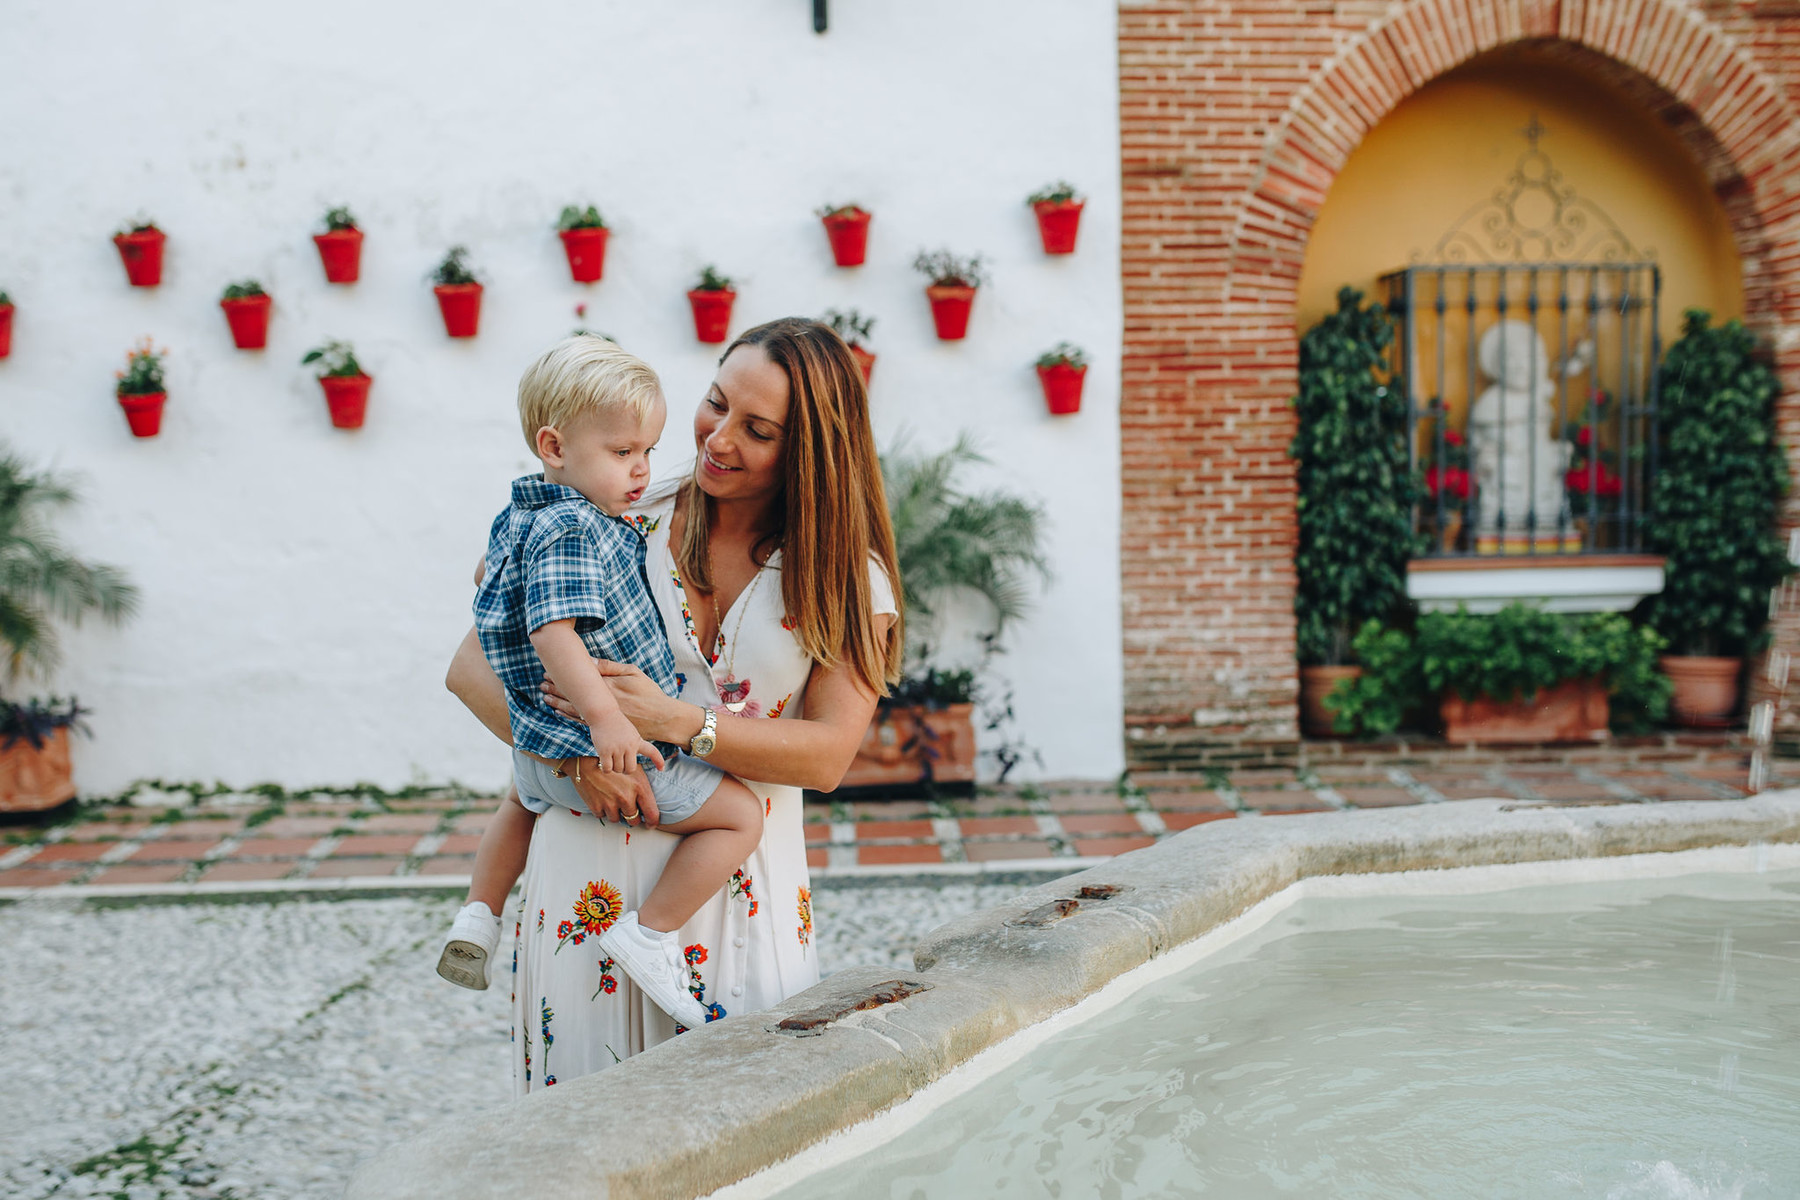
column 881, row 590
column 565, row 578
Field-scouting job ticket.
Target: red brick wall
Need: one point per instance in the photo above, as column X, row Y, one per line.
column 1235, row 116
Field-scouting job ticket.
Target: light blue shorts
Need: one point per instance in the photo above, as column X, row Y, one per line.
column 680, row 789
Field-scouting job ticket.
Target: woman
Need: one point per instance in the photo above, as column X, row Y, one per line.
column 776, row 556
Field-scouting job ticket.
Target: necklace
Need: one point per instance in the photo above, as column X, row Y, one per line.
column 733, row 693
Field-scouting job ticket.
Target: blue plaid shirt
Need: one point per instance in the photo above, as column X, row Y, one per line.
column 553, row 556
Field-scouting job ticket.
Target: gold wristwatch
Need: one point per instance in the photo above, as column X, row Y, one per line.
column 704, row 742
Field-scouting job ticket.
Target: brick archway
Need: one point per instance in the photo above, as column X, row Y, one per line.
column 1234, row 122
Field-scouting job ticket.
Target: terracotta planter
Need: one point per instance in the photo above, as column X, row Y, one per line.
column 461, row 305
column 347, row 396
column 143, row 412
column 6, row 312
column 1058, row 222
column 248, row 317
column 34, row 778
column 849, row 234
column 865, row 362
column 1706, row 689
column 950, row 311
column 340, row 252
column 142, row 253
column 1573, row 711
column 1062, row 387
column 1316, row 683
column 586, row 249
column 712, row 314
column 894, row 751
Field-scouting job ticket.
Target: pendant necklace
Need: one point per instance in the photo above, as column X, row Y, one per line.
column 728, row 683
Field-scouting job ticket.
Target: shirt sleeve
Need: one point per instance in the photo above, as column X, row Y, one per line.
column 881, row 590
column 565, row 578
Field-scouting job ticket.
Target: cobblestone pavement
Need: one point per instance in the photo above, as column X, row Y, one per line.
column 227, row 1049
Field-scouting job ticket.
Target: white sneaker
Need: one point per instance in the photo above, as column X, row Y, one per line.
column 474, row 936
column 654, row 962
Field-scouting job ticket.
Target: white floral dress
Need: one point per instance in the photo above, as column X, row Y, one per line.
column 748, row 947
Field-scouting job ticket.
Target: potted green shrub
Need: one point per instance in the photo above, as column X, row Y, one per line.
column 140, row 247
column 949, row 542
column 583, row 232
column 1355, row 496
column 847, row 228
column 344, row 382
column 40, row 581
column 1058, row 211
column 952, row 290
column 340, row 246
column 141, row 390
column 1061, row 372
column 246, row 308
column 711, row 299
column 6, row 316
column 1720, row 477
column 458, row 293
column 854, row 328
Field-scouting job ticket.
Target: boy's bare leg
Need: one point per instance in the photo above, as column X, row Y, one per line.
column 714, row 842
column 500, row 858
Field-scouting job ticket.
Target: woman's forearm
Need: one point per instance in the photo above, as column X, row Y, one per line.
column 799, row 753
column 473, row 682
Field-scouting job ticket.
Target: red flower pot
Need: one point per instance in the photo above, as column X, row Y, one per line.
column 586, row 249
column 6, row 312
column 1062, row 387
column 950, row 311
column 248, row 317
column 143, row 412
column 712, row 314
column 1058, row 221
column 348, row 398
column 865, row 361
column 461, row 305
column 340, row 250
column 849, row 234
column 143, row 255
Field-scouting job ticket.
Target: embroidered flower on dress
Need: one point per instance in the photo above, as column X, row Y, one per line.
column 780, row 704
column 599, row 906
column 804, row 908
column 609, row 983
column 740, row 888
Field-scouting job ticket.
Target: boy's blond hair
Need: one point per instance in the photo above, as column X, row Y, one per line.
column 584, row 374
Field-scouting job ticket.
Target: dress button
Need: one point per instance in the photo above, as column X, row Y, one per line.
column 738, row 990
column 738, row 942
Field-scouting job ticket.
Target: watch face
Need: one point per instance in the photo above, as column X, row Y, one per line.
column 703, row 744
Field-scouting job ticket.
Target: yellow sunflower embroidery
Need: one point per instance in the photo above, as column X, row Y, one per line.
column 805, row 910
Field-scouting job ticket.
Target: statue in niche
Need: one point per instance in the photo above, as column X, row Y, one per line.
column 1519, row 461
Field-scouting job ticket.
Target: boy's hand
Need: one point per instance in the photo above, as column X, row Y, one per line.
column 617, row 744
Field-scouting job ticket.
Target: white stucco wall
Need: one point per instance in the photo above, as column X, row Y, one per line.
column 303, row 586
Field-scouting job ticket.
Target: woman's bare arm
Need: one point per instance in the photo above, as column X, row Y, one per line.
column 473, row 682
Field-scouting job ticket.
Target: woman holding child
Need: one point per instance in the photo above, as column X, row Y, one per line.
column 771, row 566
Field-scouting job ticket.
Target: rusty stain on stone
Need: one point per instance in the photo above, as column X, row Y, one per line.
column 813, row 1021
column 1048, row 914
column 1099, row 891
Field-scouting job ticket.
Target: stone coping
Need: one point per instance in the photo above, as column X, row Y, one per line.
column 735, row 1096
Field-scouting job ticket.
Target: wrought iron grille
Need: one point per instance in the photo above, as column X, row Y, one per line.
column 1532, row 412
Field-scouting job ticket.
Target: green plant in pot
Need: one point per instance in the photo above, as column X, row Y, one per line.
column 951, row 544
column 1355, row 495
column 41, row 582
column 1720, row 477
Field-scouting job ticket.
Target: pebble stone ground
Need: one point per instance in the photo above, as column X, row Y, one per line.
column 206, row 1051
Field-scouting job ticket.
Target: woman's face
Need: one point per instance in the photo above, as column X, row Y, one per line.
column 740, row 428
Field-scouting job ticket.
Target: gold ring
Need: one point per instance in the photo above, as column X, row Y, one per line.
column 631, row 816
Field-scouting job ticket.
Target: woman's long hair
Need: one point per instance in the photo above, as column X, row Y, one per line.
column 832, row 515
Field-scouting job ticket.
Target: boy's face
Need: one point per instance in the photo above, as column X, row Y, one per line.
column 604, row 457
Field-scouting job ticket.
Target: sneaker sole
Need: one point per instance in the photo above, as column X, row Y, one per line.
column 465, row 965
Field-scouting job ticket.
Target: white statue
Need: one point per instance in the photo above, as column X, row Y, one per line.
column 1519, row 461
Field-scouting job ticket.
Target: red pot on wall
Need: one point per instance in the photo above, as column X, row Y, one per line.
column 248, row 317
column 849, row 234
column 950, row 307
column 908, row 744
column 347, row 396
column 143, row 412
column 1058, row 222
column 1575, row 710
column 1706, row 689
column 461, row 305
column 1317, row 719
column 142, row 252
column 35, row 778
column 340, row 252
column 712, row 314
column 586, row 249
column 1062, row 387
column 865, row 361
column 6, row 312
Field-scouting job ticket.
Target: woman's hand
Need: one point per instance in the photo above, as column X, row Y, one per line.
column 656, row 715
column 615, row 795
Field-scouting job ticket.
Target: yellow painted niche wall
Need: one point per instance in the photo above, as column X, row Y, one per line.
column 1453, row 143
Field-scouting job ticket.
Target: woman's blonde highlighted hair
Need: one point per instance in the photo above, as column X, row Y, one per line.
column 580, row 375
column 832, row 515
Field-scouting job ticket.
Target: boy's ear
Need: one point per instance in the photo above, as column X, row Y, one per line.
column 549, row 446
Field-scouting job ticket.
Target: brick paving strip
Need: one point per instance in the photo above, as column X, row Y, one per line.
column 427, row 842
